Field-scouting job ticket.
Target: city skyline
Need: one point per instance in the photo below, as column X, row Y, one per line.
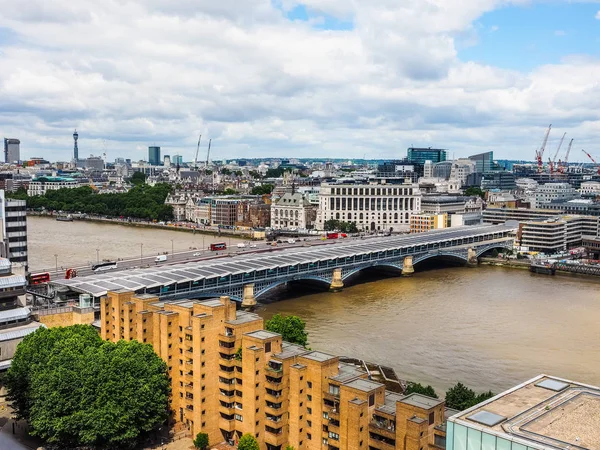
column 310, row 79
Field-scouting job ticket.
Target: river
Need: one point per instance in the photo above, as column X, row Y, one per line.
column 488, row 327
column 76, row 242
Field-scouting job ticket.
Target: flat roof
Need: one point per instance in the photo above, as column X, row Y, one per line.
column 318, row 356
column 421, row 401
column 243, row 317
column 544, row 412
column 262, row 334
column 364, row 385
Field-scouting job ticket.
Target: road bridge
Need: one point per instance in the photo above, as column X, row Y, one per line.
column 247, row 277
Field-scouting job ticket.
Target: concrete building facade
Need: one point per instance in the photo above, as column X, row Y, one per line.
column 557, row 234
column 292, row 210
column 230, row 377
column 40, row 185
column 372, row 206
column 549, row 192
column 13, row 229
column 420, row 223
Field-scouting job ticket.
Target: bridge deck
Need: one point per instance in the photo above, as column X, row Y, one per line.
column 308, row 258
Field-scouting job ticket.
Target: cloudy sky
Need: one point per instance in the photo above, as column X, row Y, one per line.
column 317, row 78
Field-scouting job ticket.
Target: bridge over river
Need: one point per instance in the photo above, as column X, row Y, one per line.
column 247, row 277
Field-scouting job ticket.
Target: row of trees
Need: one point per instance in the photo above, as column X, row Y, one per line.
column 142, row 201
column 75, row 389
column 337, row 225
column 458, row 397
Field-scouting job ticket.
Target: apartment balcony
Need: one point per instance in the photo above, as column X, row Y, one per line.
column 274, row 396
column 380, row 441
column 226, row 424
column 274, row 409
column 228, row 393
column 335, row 398
column 274, row 436
column 188, row 377
column 188, row 386
column 227, row 359
column 333, row 425
column 227, row 386
column 189, row 351
column 224, row 349
column 229, row 338
column 275, row 369
column 273, row 382
column 226, row 408
column 275, row 421
column 384, row 427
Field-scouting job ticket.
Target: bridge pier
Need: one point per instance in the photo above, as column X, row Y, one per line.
column 248, row 300
column 407, row 267
column 336, row 281
column 472, row 258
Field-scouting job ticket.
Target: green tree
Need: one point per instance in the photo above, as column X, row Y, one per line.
column 461, row 397
column 225, row 171
column 262, row 190
column 229, row 191
column 420, row 389
column 289, row 447
column 239, row 173
column 255, row 174
column 238, row 354
column 290, row 327
column 475, row 191
column 332, row 225
column 77, row 390
column 138, row 178
column 248, row 442
column 201, row 441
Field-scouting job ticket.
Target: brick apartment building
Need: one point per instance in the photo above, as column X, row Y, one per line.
column 281, row 393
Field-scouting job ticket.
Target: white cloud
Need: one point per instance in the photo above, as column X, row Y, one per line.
column 598, row 15
column 560, row 33
column 494, row 28
column 156, row 71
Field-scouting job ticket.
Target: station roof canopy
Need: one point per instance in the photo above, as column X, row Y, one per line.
column 169, row 274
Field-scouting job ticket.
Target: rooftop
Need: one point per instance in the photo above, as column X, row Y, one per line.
column 318, row 356
column 262, row 334
column 243, row 317
column 364, row 385
column 421, row 401
column 544, row 412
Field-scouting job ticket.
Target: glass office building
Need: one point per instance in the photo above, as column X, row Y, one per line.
column 154, row 156
column 420, row 155
column 545, row 413
column 484, row 162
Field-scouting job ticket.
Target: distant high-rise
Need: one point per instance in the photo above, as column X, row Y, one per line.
column 154, row 155
column 12, row 151
column 75, row 147
column 177, row 160
column 420, row 155
column 483, row 161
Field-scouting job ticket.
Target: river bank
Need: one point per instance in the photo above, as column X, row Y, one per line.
column 188, row 228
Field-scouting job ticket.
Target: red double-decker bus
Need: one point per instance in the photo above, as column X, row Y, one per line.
column 218, row 246
column 39, row 278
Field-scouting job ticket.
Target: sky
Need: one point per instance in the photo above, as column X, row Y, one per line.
column 288, row 78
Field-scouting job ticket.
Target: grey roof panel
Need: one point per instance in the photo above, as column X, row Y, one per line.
column 486, row 418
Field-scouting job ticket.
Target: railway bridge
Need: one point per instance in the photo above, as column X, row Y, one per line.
column 247, row 277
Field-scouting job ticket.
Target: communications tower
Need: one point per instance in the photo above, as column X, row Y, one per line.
column 75, row 148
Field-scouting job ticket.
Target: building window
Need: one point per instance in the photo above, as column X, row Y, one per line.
column 309, row 384
column 333, row 389
column 334, row 436
column 371, row 399
column 239, row 418
column 431, row 417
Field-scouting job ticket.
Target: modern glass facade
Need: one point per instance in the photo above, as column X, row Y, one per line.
column 460, row 437
column 420, row 155
column 154, row 156
column 484, row 162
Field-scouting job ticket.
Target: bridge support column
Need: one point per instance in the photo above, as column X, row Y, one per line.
column 407, row 266
column 472, row 258
column 248, row 299
column 336, row 281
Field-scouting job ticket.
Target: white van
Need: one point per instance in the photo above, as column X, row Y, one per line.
column 241, row 245
column 291, row 241
column 160, row 258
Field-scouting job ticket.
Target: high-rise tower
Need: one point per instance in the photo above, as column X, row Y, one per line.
column 75, row 148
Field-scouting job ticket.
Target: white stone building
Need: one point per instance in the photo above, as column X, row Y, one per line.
column 373, row 206
column 292, row 211
column 590, row 188
column 41, row 185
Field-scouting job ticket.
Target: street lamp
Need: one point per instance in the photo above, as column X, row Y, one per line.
column 97, row 255
column 56, row 263
column 172, row 248
column 141, row 253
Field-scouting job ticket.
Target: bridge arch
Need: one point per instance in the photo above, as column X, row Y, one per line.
column 356, row 270
column 495, row 246
column 264, row 289
column 443, row 256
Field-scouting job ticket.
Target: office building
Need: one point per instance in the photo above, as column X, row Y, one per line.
column 380, row 205
column 12, row 150
column 554, row 192
column 420, row 223
column 450, row 204
column 154, row 156
column 177, row 160
column 556, row 234
column 292, row 211
column 16, row 321
column 498, row 180
column 484, row 162
column 420, row 155
column 93, row 163
column 581, row 206
column 501, row 215
column 40, row 185
column 230, row 377
column 442, row 169
column 544, row 413
column 590, row 188
column 13, row 229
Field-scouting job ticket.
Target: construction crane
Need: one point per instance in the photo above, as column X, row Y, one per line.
column 197, row 150
column 564, row 165
column 593, row 160
column 539, row 154
column 208, row 153
column 558, row 148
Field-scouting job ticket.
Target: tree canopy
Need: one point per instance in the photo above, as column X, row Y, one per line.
column 142, row 201
column 290, row 327
column 248, row 442
column 76, row 390
column 201, row 441
column 262, row 190
column 475, row 191
column 138, row 178
column 420, row 389
column 344, row 227
column 461, row 397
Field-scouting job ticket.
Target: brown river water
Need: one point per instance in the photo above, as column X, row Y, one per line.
column 488, row 327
